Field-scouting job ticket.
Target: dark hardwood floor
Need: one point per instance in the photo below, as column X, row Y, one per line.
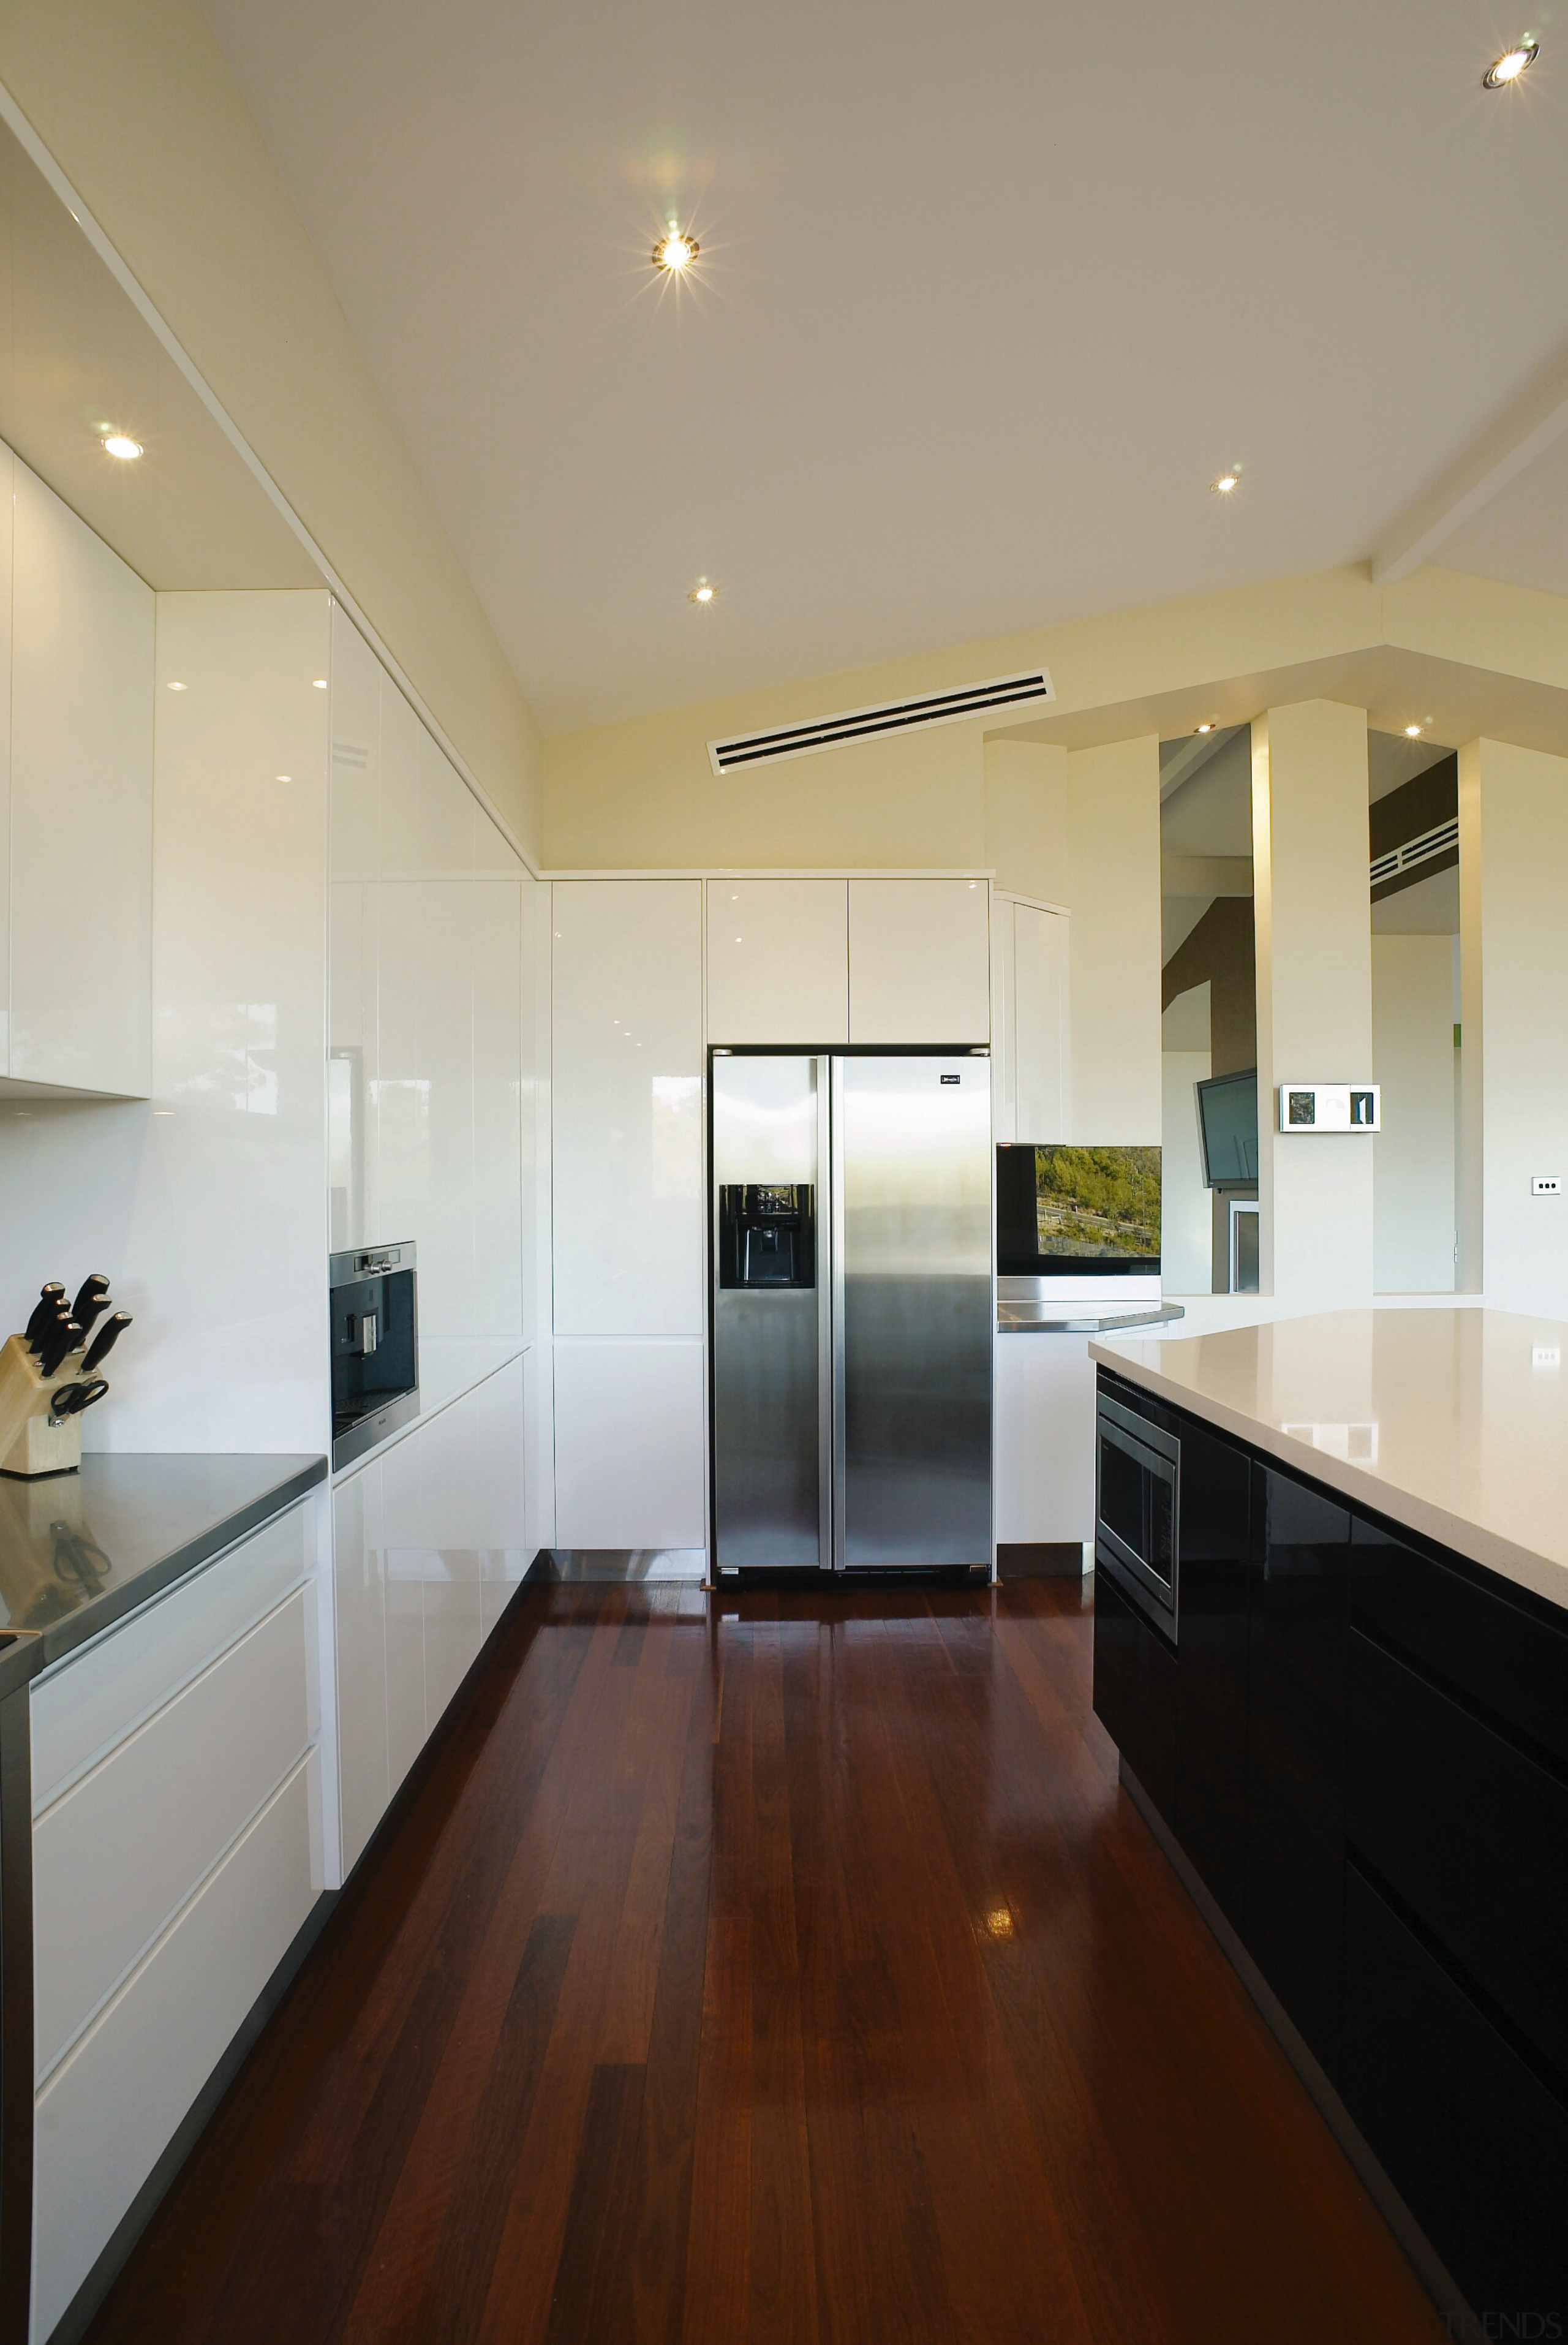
column 792, row 1970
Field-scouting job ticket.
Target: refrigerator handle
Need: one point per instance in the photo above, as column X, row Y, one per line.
column 832, row 1384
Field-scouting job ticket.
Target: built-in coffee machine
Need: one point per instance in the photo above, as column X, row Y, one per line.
column 375, row 1345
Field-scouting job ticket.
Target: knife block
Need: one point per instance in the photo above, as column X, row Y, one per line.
column 30, row 1443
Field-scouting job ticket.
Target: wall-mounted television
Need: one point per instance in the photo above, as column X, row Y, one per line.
column 1062, row 1212
column 1228, row 1127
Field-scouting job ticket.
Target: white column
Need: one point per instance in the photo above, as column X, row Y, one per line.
column 1312, row 906
column 1513, row 1049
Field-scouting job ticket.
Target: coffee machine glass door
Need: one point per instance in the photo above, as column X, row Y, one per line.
column 772, row 1355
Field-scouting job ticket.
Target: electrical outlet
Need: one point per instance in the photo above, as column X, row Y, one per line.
column 1545, row 1184
column 1546, row 1356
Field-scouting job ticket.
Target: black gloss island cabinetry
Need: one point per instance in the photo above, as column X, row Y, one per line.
column 1353, row 1744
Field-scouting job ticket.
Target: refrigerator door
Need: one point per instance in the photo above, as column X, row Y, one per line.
column 913, row 1311
column 772, row 1411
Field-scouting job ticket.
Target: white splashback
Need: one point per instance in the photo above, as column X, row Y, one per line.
column 207, row 1204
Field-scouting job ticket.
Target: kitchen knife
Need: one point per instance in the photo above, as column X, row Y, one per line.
column 104, row 1342
column 62, row 1337
column 50, row 1328
column 44, row 1310
column 92, row 1296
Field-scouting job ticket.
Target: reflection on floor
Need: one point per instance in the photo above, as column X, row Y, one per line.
column 797, row 1971
column 623, row 1563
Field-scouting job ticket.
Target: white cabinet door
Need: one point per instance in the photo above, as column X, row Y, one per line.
column 1038, row 1026
column 81, row 805
column 405, row 1560
column 629, row 1446
column 1043, row 1436
column 919, row 960
column 359, row 1586
column 111, row 2106
column 627, row 1081
column 778, row 962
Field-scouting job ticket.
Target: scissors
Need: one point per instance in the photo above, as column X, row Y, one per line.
column 70, row 1400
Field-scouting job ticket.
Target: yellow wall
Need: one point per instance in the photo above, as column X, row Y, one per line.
column 133, row 100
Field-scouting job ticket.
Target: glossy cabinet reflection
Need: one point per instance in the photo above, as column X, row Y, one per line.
column 80, row 678
column 919, row 960
column 429, row 910
column 627, row 1079
column 630, row 1452
column 429, row 1541
column 1029, row 1021
column 778, row 962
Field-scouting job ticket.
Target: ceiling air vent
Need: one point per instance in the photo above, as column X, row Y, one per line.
column 1443, row 840
column 892, row 717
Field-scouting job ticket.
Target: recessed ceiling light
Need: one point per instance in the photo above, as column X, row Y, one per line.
column 1413, row 732
column 1510, row 63
column 1225, row 483
column 177, row 688
column 703, row 593
column 120, row 444
column 318, row 682
column 1207, row 726
column 286, row 778
column 675, row 253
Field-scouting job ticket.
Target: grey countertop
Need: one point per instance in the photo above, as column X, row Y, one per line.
column 79, row 1550
column 1033, row 1318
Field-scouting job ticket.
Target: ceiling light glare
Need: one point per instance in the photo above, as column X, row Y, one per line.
column 1207, row 726
column 703, row 593
column 674, row 253
column 1510, row 63
column 120, row 444
column 1413, row 732
column 318, row 683
column 1225, row 483
column 178, row 687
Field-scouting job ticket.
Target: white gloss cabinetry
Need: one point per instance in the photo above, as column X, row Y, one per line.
column 920, row 961
column 171, row 1873
column 1029, row 945
column 1043, row 1440
column 626, row 1073
column 78, row 890
column 428, row 1544
column 778, row 962
column 431, row 914
column 630, row 1453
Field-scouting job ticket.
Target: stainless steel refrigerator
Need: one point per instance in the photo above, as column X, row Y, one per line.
column 853, row 1310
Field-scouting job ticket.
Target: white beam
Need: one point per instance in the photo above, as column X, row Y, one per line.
column 1498, row 456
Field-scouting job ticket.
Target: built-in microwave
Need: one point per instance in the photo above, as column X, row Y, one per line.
column 1138, row 1511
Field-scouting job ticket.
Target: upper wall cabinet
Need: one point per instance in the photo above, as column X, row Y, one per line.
column 1029, row 1021
column 626, row 1073
column 778, row 962
column 919, row 960
column 81, row 787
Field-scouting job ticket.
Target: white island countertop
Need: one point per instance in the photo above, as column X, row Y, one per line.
column 1453, row 1422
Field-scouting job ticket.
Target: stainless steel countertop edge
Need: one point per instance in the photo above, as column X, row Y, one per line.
column 39, row 1650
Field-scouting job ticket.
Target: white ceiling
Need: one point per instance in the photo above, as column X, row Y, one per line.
column 988, row 295
column 1522, row 536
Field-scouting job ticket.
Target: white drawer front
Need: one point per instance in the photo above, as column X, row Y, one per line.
column 109, row 2111
column 126, row 1845
column 92, row 1701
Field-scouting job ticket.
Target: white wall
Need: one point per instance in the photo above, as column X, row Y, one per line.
column 1412, row 1156
column 207, row 1204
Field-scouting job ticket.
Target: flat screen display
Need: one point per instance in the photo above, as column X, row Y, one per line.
column 1228, row 1123
column 1062, row 1210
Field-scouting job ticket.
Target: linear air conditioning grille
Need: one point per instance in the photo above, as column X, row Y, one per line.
column 892, row 717
column 1430, row 843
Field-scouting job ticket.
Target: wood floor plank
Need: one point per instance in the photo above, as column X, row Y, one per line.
column 718, row 2249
